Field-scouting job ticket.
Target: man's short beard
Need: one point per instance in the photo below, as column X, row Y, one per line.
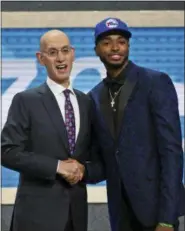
column 109, row 65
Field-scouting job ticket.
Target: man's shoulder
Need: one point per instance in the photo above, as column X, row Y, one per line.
column 153, row 78
column 78, row 92
column 149, row 76
column 96, row 88
column 83, row 95
column 31, row 92
column 149, row 72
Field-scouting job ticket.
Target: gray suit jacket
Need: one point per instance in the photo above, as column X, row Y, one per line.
column 34, row 138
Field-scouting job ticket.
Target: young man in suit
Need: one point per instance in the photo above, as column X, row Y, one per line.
column 137, row 125
column 45, row 127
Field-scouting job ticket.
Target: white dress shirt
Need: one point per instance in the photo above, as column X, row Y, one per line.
column 57, row 90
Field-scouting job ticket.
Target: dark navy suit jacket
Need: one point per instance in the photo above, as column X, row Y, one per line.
column 146, row 153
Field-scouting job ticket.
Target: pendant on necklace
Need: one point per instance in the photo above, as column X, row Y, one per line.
column 112, row 103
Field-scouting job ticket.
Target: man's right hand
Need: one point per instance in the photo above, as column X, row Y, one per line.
column 71, row 170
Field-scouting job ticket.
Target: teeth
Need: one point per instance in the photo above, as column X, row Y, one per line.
column 61, row 66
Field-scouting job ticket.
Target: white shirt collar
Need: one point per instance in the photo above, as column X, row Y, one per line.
column 57, row 88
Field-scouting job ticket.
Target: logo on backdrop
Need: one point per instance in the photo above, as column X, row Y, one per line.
column 25, row 75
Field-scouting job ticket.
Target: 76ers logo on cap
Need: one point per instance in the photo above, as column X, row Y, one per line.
column 111, row 23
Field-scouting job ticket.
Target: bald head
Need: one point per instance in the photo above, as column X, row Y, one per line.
column 57, row 55
column 53, row 36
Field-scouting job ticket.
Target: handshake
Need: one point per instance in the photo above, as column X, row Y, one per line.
column 71, row 170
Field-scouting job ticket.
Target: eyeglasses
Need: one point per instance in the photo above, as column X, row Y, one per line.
column 53, row 52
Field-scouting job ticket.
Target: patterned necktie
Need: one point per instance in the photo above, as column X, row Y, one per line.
column 69, row 121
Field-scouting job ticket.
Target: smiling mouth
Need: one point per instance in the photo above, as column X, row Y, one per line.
column 61, row 67
column 115, row 57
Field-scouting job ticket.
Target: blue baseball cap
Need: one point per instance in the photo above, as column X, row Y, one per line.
column 111, row 24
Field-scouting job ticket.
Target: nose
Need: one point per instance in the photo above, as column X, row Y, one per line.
column 115, row 47
column 60, row 56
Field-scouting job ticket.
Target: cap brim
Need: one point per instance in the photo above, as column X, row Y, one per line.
column 124, row 33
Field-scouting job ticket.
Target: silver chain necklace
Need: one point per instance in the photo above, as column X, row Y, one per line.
column 113, row 98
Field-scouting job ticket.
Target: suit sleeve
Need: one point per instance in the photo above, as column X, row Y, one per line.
column 14, row 144
column 95, row 170
column 164, row 107
column 94, row 166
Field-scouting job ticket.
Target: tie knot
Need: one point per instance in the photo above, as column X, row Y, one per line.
column 67, row 92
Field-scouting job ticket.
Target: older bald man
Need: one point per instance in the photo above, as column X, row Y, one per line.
column 44, row 129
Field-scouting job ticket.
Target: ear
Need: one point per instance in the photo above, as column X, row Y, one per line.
column 96, row 50
column 128, row 42
column 40, row 58
column 73, row 53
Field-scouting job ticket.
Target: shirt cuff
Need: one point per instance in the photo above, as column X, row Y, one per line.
column 166, row 225
column 58, row 166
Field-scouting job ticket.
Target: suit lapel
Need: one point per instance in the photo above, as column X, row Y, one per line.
column 82, row 112
column 125, row 95
column 106, row 110
column 54, row 112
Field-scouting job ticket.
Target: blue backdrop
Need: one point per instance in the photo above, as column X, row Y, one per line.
column 157, row 48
